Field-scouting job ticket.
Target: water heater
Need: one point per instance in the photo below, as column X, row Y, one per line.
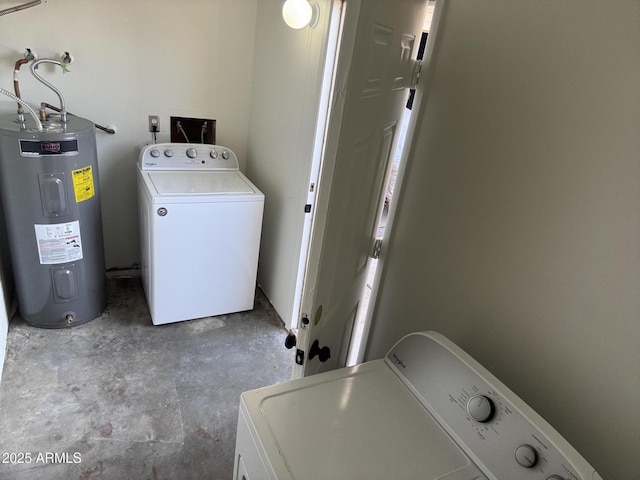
column 49, row 190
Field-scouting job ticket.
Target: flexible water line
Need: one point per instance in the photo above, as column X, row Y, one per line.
column 7, row 11
column 180, row 129
column 34, row 65
column 203, row 132
column 25, row 105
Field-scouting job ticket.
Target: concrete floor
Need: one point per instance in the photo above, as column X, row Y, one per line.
column 117, row 398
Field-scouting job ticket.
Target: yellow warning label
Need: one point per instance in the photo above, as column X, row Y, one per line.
column 83, row 183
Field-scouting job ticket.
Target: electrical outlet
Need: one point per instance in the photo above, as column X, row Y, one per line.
column 154, row 123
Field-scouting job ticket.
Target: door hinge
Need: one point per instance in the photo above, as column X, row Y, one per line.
column 415, row 75
column 307, row 208
column 304, row 324
column 377, row 246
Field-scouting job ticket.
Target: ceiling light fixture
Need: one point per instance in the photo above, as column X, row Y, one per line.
column 300, row 13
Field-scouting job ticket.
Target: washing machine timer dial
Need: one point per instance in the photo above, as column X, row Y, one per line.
column 192, row 152
column 526, row 456
column 481, row 408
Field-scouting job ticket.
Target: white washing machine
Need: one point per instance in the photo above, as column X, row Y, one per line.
column 426, row 411
column 200, row 225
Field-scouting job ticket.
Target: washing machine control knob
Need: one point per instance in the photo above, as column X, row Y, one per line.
column 168, row 153
column 481, row 408
column 213, row 154
column 526, row 456
column 226, row 155
column 192, row 153
column 154, row 153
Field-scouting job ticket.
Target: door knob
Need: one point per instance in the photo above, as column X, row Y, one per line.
column 323, row 353
column 291, row 340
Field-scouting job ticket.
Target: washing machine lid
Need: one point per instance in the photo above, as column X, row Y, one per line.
column 358, row 422
column 200, row 183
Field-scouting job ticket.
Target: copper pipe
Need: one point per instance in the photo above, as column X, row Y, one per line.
column 16, row 84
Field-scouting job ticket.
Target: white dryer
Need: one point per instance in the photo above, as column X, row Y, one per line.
column 200, row 226
column 426, row 411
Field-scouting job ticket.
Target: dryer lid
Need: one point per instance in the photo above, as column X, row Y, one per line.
column 358, row 422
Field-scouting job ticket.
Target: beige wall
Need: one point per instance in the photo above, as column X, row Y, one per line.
column 188, row 58
column 517, row 232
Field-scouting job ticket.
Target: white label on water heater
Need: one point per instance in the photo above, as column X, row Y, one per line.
column 59, row 243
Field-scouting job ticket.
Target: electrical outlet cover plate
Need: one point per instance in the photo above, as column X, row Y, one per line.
column 193, row 130
column 154, row 121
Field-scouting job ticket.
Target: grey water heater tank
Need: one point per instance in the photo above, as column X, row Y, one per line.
column 49, row 190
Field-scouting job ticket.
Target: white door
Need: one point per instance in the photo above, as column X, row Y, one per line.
column 374, row 70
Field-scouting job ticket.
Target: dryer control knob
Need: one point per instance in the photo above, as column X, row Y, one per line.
column 526, row 456
column 191, row 152
column 226, row 155
column 481, row 408
column 154, row 153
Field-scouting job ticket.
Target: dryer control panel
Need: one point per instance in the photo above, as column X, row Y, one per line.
column 500, row 432
column 187, row 156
